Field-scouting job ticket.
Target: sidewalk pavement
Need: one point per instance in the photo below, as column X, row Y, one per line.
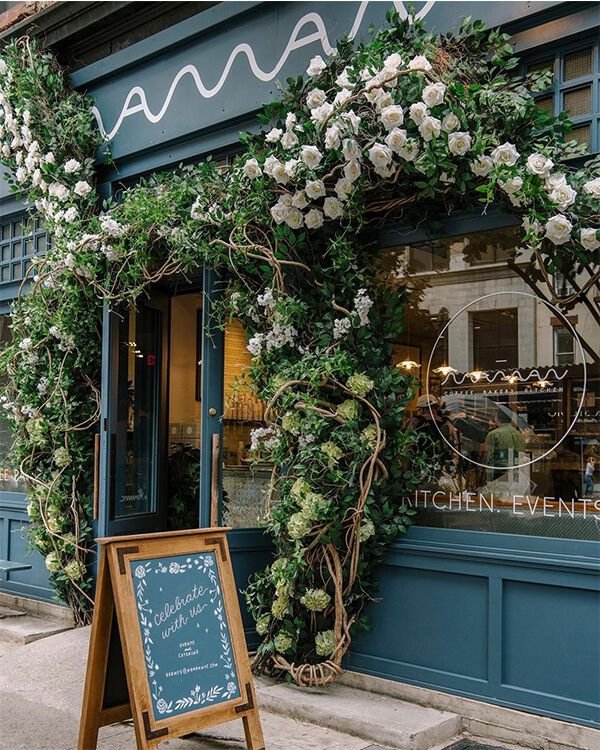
column 41, row 687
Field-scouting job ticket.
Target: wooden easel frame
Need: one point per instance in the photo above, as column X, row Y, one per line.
column 115, row 592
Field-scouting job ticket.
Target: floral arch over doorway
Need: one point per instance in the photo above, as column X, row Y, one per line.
column 407, row 126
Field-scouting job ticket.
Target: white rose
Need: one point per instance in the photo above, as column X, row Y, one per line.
column 380, row 155
column 21, row 174
column 273, row 135
column 395, row 139
column 459, row 143
column 59, row 191
column 279, row 174
column 512, row 185
column 430, row 128
column 539, row 164
column 270, row 163
column 592, row 187
column 563, row 195
column 341, row 97
column 290, row 120
column 332, row 208
column 333, row 136
column 3, row 67
column 420, row 62
column 72, row 166
column 299, row 199
column 315, row 98
column 82, row 188
column 314, row 219
column 589, row 239
column 351, row 149
column 316, row 66
column 315, row 189
column 311, row 156
column 555, row 180
column 279, row 212
column 352, row 170
column 418, row 112
column 291, row 167
column 450, row 123
column 482, row 166
column 385, row 170
column 294, row 218
column 320, row 114
column 393, row 61
column 558, row 229
column 505, row 154
column 343, row 80
column 289, row 139
column 342, row 188
column 251, row 169
column 71, row 215
column 392, row 116
column 409, row 151
column 353, row 119
column 433, row 94
column 530, row 225
column 49, row 158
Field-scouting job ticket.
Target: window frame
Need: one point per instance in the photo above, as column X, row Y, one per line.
column 555, row 352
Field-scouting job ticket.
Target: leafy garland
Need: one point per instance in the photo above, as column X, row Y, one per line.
column 408, row 125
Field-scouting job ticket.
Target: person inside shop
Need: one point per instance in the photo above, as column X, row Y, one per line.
column 504, row 443
column 588, row 478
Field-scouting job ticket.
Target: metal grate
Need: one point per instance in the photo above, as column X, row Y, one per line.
column 578, row 102
column 546, row 103
column 581, row 134
column 20, row 239
column 577, row 64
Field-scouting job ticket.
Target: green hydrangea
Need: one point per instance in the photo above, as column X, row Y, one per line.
column 262, row 624
column 367, row 529
column 62, row 457
column 349, row 410
column 53, row 562
column 69, row 540
column 278, row 567
column 360, row 384
column 315, row 599
column 291, row 422
column 314, row 504
column 283, row 641
column 369, row 435
column 74, row 570
column 299, row 488
column 332, row 451
column 280, row 606
column 36, row 430
column 54, row 524
column 298, row 525
column 325, row 643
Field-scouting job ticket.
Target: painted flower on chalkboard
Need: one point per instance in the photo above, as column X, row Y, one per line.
column 161, row 705
column 174, row 567
column 231, row 687
column 208, row 561
column 140, row 571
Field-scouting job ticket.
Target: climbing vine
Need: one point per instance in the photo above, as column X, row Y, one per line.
column 407, row 126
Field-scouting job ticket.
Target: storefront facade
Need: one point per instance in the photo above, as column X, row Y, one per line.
column 495, row 592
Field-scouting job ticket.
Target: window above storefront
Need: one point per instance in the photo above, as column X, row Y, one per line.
column 21, row 237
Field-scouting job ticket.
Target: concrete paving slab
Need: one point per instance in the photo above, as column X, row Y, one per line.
column 27, row 629
column 8, row 612
column 380, row 719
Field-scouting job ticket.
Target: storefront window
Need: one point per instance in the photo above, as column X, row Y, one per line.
column 509, row 390
column 10, row 480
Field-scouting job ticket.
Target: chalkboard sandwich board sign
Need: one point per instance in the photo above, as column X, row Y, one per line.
column 167, row 645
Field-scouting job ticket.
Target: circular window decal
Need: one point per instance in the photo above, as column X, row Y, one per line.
column 511, row 375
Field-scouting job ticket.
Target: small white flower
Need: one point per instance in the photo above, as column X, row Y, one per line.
column 459, row 143
column 563, row 195
column 321, row 113
column 332, row 208
column 512, row 185
column 270, row 163
column 392, row 116
column 273, row 135
column 279, row 212
column 506, row 154
column 396, row 139
column 352, row 170
column 82, row 188
column 266, row 299
column 380, row 155
column 533, row 226
column 315, row 189
column 418, row 112
column 279, row 174
column 291, row 167
column 72, row 166
column 289, row 139
column 342, row 97
column 317, row 65
column 315, row 98
column 351, row 149
column 341, row 326
column 393, row 61
column 450, row 123
column 343, row 80
column 409, row 151
column 553, row 181
column 252, row 169
column 420, row 62
column 290, row 120
column 482, row 166
column 592, row 187
column 342, row 188
column 255, row 344
column 294, row 219
column 589, row 239
column 314, row 219
column 25, row 344
column 333, row 136
column 539, row 164
column 558, row 229
column 57, row 190
column 362, row 304
column 49, row 158
column 433, row 94
column 352, row 119
column 299, row 200
column 3, row 67
column 430, row 128
column 71, row 215
column 311, row 156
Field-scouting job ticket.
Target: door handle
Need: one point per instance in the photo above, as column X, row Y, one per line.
column 96, row 475
column 214, row 479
